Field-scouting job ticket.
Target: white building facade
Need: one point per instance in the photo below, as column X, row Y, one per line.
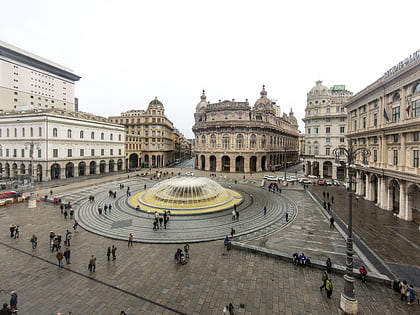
column 385, row 118
column 55, row 144
column 29, row 81
column 325, row 129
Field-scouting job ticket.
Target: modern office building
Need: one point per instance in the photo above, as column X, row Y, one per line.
column 28, row 81
column 232, row 136
column 385, row 118
column 43, row 145
column 151, row 137
column 325, row 129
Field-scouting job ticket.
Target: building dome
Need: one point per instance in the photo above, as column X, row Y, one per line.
column 156, row 102
column 202, row 104
column 263, row 103
column 319, row 92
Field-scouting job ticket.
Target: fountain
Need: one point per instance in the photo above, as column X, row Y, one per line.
column 186, row 195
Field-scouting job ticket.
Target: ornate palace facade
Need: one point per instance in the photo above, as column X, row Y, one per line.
column 231, row 136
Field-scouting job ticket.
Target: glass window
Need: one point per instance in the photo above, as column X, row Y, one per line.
column 69, row 152
column 82, row 134
column 68, row 133
column 239, row 141
column 92, row 152
column 55, row 132
column 39, row 153
column 82, row 152
column 328, row 129
column 416, row 135
column 92, row 135
column 395, row 137
column 341, row 129
column 415, row 112
column 395, row 114
column 327, row 140
column 102, row 136
column 375, row 119
column 395, row 157
column 55, row 153
column 327, row 151
column 253, row 141
column 315, row 130
column 40, row 132
column 416, row 158
column 375, row 156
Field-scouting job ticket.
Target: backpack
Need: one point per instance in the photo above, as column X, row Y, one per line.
column 328, row 285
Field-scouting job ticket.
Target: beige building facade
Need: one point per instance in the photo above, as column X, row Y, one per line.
column 325, row 129
column 385, row 118
column 232, row 136
column 28, row 81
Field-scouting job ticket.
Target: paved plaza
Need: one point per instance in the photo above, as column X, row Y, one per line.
column 145, row 280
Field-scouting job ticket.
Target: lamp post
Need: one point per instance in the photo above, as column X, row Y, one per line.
column 31, row 145
column 348, row 302
column 284, row 161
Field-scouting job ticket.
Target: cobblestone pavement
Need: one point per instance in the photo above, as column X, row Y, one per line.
column 145, row 280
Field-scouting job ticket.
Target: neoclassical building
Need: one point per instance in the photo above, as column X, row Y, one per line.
column 325, row 129
column 385, row 118
column 43, row 145
column 151, row 137
column 232, row 136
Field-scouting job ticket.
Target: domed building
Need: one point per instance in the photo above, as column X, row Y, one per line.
column 232, row 136
column 325, row 128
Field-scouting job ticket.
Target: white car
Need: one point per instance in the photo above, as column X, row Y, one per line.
column 189, row 173
column 270, row 177
column 312, row 176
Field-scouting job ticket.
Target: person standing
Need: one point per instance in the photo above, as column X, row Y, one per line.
column 75, row 225
column 60, row 257
column 328, row 263
column 68, row 238
column 231, row 307
column 287, row 217
column 403, row 290
column 12, row 230
column 13, row 301
column 265, row 210
column 108, row 253
column 324, row 280
column 5, row 310
column 130, row 239
column 114, row 252
column 67, row 255
column 65, row 214
column 92, row 264
column 332, row 223
column 187, row 250
column 363, row 273
column 329, row 288
column 34, row 241
column 17, row 231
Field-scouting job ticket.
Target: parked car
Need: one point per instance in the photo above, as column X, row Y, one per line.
column 321, row 182
column 189, row 173
column 328, row 182
column 312, row 176
column 336, row 182
column 270, row 177
column 307, row 182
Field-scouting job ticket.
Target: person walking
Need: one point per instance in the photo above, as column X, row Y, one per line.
column 68, row 238
column 12, row 230
column 5, row 310
column 75, row 225
column 130, row 239
column 324, row 280
column 332, row 223
column 403, row 290
column 231, row 307
column 67, row 255
column 287, row 217
column 65, row 214
column 114, row 252
column 329, row 288
column 17, row 231
column 92, row 263
column 328, row 263
column 13, row 301
column 265, row 210
column 60, row 257
column 34, row 241
column 108, row 253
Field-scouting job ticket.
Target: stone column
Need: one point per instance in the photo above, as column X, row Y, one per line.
column 403, row 213
column 321, row 169
column 402, row 162
column 334, row 171
column 368, row 187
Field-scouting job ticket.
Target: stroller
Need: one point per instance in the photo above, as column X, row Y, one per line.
column 180, row 257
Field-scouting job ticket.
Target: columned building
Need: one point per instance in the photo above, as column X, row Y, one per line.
column 385, row 118
column 29, row 81
column 325, row 128
column 149, row 137
column 56, row 144
column 232, row 136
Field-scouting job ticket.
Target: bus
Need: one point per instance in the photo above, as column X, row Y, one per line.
column 275, row 168
column 8, row 197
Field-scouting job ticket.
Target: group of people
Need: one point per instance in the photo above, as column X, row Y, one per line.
column 182, row 257
column 14, row 231
column 159, row 220
column 228, row 309
column 6, row 310
column 300, row 260
column 235, row 213
column 273, row 187
column 407, row 292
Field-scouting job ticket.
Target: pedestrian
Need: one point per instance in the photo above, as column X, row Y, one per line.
column 34, row 241
column 411, row 294
column 60, row 257
column 109, row 208
column 12, row 230
column 108, row 252
column 65, row 214
column 329, row 288
column 328, row 195
column 130, row 239
column 231, row 308
column 17, row 231
column 92, row 264
column 187, row 250
column 13, row 301
column 287, row 217
column 363, row 273
column 71, row 213
column 226, row 310
column 75, row 225
column 323, row 194
column 100, row 210
column 332, row 223
column 328, row 206
column 114, row 252
column 265, row 210
column 68, row 238
column 324, row 280
column 5, row 310
column 61, row 208
column 232, row 232
column 403, row 290
column 332, row 199
column 52, row 237
column 67, row 255
column 329, row 265
column 51, row 192
column 105, row 208
column 233, row 215
column 237, row 215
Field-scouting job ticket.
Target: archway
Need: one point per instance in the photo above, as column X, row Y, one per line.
column 153, row 161
column 111, row 166
column 119, row 165
column 363, row 184
column 327, row 169
column 92, row 168
column 55, row 171
column 102, row 167
column 225, row 163
column 374, row 182
column 394, row 190
column 315, row 168
column 39, row 173
column 414, row 202
column 133, row 161
column 253, row 164
column 69, row 170
column 82, row 169
column 203, row 162
column 158, row 163
column 212, row 163
column 7, row 170
column 146, row 161
column 263, row 162
column 239, row 164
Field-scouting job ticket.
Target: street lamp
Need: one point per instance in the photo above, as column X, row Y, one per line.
column 31, row 145
column 348, row 302
column 284, row 161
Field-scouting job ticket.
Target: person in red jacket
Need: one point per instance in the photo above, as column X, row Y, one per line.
column 363, row 272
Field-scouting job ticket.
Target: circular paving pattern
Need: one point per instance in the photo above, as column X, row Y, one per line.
column 124, row 219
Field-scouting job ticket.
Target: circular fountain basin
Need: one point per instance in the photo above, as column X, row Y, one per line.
column 186, row 195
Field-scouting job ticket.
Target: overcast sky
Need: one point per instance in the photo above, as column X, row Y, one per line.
column 128, row 52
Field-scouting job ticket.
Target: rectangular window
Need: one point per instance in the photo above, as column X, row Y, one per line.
column 364, row 122
column 395, row 157
column 7, row 152
column 327, row 129
column 55, row 153
column 415, row 111
column 316, row 130
column 14, row 152
column 69, row 152
column 341, row 140
column 375, row 119
column 341, row 129
column 327, row 151
column 111, row 152
column 22, row 152
column 82, row 152
column 395, row 138
column 416, row 135
column 309, row 131
column 327, row 140
column 119, row 151
column 102, row 151
column 416, row 158
column 39, row 153
column 342, row 119
column 395, row 114
column 375, row 156
column 92, row 152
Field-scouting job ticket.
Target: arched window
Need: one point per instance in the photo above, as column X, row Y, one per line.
column 203, row 141
column 82, row 134
column 213, row 141
column 31, row 131
column 263, row 142
column 226, row 141
column 68, row 133
column 253, row 141
column 55, row 132
column 23, row 132
column 102, row 136
column 92, row 135
column 240, row 141
column 396, row 96
column 40, row 131
column 417, row 88
column 7, row 133
column 111, row 137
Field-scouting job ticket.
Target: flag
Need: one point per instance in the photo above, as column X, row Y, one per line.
column 408, row 109
column 386, row 115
